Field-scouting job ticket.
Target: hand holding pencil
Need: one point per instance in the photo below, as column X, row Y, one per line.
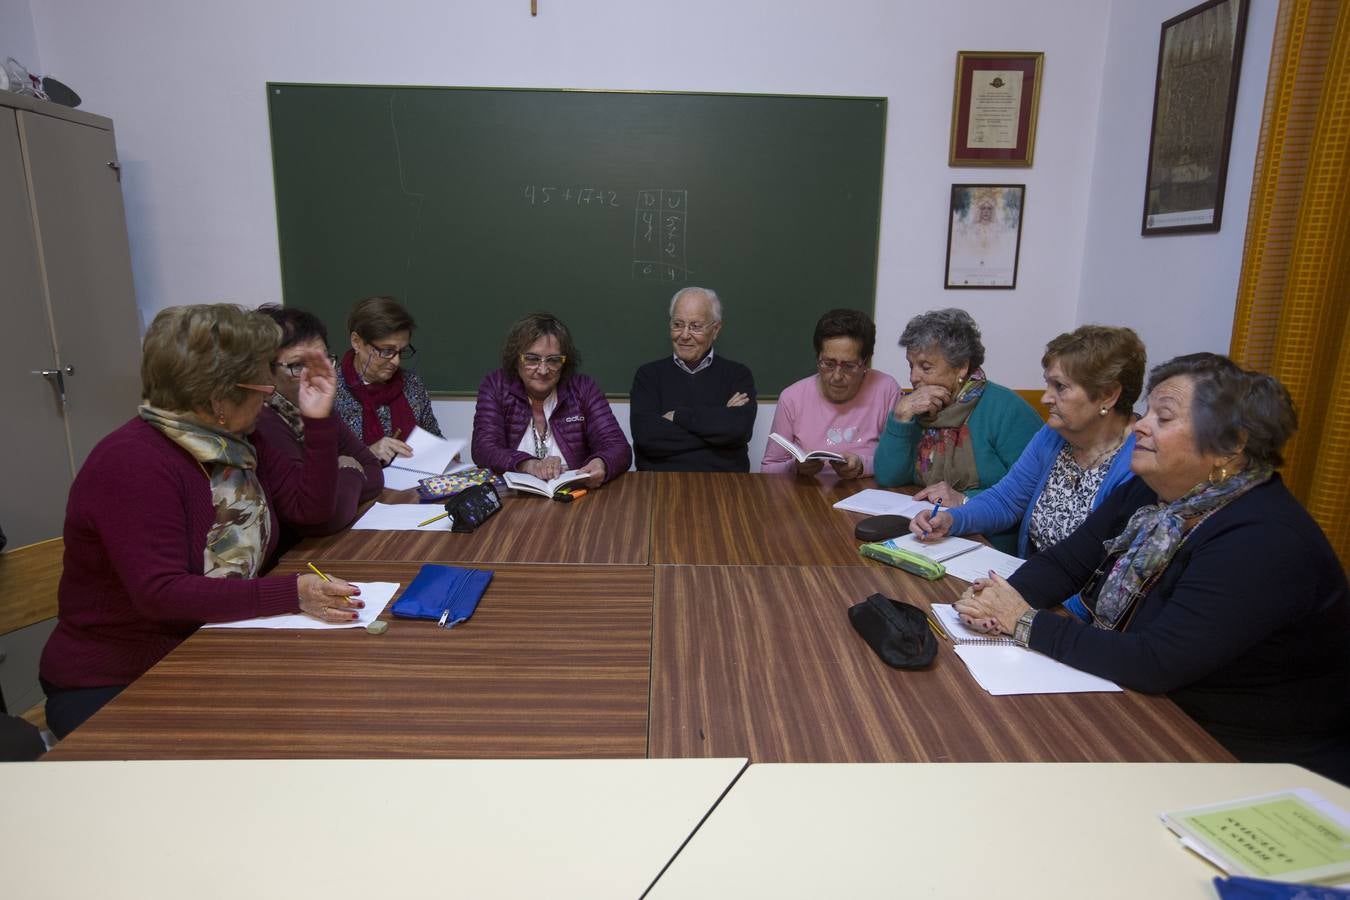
column 328, row 599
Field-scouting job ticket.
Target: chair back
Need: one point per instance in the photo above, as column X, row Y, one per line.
column 28, row 580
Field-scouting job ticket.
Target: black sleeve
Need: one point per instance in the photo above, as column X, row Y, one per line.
column 724, row 426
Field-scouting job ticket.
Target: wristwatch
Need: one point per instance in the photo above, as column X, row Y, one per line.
column 1022, row 630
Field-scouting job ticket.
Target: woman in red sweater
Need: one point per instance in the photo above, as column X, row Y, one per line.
column 172, row 517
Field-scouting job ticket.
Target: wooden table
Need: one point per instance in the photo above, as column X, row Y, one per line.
column 350, row 828
column 762, row 662
column 725, row 519
column 555, row 663
column 995, row 830
column 664, row 615
column 609, row 526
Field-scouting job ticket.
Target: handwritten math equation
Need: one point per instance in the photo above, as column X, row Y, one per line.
column 660, row 224
column 541, row 195
column 660, row 229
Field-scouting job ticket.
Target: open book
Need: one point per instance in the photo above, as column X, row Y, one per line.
column 431, row 456
column 874, row 502
column 803, row 455
column 1000, row 666
column 531, row 485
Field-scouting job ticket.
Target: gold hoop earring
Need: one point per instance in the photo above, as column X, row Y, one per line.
column 1221, row 477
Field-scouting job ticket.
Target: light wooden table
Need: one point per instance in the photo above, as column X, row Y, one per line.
column 993, row 830
column 362, row 829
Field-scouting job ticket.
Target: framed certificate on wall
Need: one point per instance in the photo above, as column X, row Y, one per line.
column 994, row 108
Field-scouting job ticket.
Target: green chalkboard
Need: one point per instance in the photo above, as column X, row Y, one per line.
column 473, row 206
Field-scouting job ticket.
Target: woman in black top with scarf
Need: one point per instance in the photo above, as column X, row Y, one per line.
column 1205, row 578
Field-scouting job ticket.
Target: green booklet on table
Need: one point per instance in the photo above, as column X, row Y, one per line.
column 1295, row 836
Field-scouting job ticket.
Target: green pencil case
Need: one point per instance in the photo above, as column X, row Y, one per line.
column 915, row 563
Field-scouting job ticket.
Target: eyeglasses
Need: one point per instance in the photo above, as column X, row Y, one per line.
column 695, row 328
column 536, row 362
column 390, row 352
column 294, row 369
column 268, row 389
column 848, row 368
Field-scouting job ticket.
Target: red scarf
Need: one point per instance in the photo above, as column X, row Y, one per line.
column 373, row 396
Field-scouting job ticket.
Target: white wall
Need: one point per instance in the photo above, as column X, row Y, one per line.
column 1177, row 291
column 17, row 37
column 184, row 83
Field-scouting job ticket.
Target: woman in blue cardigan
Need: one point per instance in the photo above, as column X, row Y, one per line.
column 1093, row 377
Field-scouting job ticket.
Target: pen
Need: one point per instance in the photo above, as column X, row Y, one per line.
column 936, row 507
column 433, row 519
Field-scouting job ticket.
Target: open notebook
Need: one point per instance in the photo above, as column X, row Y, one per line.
column 431, row 456
column 1000, row 666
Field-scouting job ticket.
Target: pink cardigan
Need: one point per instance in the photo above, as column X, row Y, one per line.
column 811, row 422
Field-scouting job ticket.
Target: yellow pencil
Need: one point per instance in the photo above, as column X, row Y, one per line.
column 942, row 635
column 323, row 576
column 432, row 519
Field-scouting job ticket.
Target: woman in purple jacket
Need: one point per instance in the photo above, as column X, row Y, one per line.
column 538, row 415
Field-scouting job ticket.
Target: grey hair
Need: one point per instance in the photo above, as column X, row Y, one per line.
column 707, row 292
column 1233, row 408
column 952, row 331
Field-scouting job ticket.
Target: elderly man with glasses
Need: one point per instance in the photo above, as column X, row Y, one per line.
column 694, row 411
column 842, row 408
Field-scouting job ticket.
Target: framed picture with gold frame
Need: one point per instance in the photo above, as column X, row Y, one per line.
column 994, row 107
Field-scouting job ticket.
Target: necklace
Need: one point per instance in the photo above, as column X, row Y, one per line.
column 540, row 442
column 1077, row 476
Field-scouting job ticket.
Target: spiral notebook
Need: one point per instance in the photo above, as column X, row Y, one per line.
column 1002, row 667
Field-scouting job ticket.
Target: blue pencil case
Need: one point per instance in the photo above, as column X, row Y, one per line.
column 446, row 595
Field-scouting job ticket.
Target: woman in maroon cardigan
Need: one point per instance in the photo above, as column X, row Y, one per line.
column 172, row 516
column 360, row 477
column 538, row 415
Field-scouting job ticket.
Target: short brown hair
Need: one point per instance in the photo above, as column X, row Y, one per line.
column 849, row 323
column 378, row 317
column 530, row 328
column 1099, row 357
column 193, row 355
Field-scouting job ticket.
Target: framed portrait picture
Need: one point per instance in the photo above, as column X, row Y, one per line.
column 984, row 235
column 994, row 108
column 1199, row 58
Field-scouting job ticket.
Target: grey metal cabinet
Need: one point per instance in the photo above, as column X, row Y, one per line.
column 71, row 358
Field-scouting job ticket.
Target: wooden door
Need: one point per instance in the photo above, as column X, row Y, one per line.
column 82, row 236
column 33, row 452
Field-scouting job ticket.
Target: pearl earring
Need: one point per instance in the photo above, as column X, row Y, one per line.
column 1103, row 411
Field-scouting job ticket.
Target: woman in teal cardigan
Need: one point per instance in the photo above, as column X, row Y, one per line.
column 956, row 431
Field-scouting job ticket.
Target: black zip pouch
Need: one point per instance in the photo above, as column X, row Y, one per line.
column 897, row 632
column 472, row 507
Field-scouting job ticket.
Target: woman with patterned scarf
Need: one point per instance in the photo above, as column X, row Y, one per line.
column 1205, row 578
column 956, row 433
column 172, row 516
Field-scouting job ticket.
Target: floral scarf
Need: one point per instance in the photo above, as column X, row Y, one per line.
column 237, row 541
column 1153, row 536
column 290, row 414
column 945, row 450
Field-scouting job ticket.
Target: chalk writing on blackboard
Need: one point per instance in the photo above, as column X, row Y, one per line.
column 660, row 229
column 551, row 195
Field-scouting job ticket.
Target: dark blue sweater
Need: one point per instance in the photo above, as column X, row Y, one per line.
column 1247, row 630
column 706, row 434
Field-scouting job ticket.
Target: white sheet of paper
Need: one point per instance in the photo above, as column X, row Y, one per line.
column 376, row 595
column 402, row 517
column 431, row 456
column 977, row 563
column 939, row 550
column 1017, row 670
column 874, row 502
